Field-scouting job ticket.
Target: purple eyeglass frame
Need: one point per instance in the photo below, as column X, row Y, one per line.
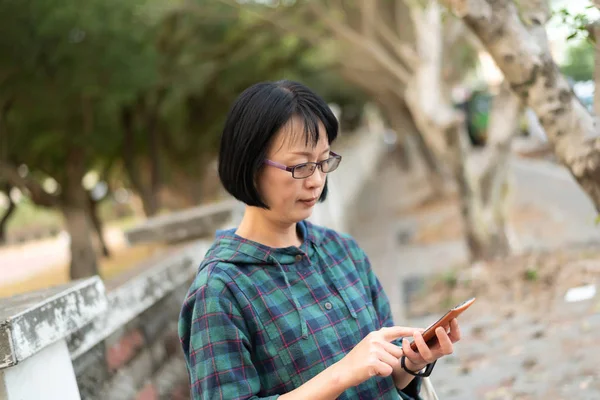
column 291, row 169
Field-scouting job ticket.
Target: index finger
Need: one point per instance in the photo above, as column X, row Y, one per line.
column 396, row 332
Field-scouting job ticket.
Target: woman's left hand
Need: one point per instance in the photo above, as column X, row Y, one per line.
column 416, row 361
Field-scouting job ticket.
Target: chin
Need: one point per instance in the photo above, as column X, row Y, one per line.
column 301, row 215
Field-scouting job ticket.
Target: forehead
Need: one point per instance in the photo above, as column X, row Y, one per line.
column 296, row 135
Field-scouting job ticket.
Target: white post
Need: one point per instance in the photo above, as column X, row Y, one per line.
column 35, row 362
column 46, row 375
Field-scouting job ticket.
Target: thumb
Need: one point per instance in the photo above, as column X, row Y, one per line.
column 396, row 332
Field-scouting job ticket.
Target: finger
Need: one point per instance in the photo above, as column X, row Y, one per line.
column 382, row 369
column 454, row 331
column 411, row 354
column 424, row 350
column 445, row 344
column 396, row 332
column 391, row 348
column 387, row 358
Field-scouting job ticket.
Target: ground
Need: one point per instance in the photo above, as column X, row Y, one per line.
column 521, row 339
column 36, row 265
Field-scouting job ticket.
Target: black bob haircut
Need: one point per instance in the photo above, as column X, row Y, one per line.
column 254, row 119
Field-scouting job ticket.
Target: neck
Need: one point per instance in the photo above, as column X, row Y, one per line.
column 258, row 227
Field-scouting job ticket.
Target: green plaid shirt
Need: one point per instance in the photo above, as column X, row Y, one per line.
column 259, row 322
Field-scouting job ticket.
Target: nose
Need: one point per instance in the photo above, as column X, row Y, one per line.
column 317, row 179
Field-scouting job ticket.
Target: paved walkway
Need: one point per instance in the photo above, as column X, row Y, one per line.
column 516, row 355
column 379, row 230
column 22, row 261
column 551, row 188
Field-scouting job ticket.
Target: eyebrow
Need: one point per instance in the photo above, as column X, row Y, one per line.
column 308, row 153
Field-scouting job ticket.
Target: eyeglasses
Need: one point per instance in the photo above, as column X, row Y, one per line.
column 304, row 170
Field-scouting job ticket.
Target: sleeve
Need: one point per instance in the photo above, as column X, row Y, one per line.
column 217, row 346
column 381, row 304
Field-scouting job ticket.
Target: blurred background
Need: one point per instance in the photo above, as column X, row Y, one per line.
column 470, row 168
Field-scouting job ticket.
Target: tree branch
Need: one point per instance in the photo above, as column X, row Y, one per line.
column 403, row 50
column 278, row 20
column 368, row 14
column 32, row 188
column 350, row 36
column 529, row 68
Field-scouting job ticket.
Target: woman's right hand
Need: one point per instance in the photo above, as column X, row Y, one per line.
column 374, row 355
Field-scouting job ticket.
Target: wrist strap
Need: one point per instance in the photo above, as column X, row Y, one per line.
column 423, row 374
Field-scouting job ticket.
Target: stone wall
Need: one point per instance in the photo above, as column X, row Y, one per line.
column 141, row 360
column 132, row 351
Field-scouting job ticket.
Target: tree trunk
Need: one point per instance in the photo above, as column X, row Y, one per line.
column 481, row 188
column 152, row 127
column 75, row 209
column 425, row 97
column 83, row 257
column 487, row 176
column 98, row 227
column 432, row 164
column 425, row 94
column 458, row 151
column 147, row 196
column 389, row 95
column 400, row 118
column 11, row 208
column 534, row 77
column 398, row 121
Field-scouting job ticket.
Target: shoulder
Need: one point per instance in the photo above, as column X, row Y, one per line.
column 215, row 279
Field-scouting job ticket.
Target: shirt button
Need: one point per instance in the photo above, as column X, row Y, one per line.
column 298, row 257
column 328, row 306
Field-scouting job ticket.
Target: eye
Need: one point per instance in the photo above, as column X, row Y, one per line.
column 304, row 167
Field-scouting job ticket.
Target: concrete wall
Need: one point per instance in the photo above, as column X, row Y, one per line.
column 360, row 158
column 121, row 342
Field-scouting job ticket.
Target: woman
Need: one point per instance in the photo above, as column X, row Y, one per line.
column 281, row 308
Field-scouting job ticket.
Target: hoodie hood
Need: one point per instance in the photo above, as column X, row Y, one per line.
column 234, row 249
column 230, row 247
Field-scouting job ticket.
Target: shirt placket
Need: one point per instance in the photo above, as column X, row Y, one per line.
column 330, row 304
column 336, row 307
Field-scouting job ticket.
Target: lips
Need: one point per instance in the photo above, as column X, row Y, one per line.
column 310, row 202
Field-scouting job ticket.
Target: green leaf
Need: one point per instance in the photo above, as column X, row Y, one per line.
column 572, row 35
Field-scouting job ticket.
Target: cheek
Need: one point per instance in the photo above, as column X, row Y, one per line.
column 279, row 190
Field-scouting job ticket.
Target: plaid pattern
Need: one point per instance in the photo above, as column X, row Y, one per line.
column 258, row 322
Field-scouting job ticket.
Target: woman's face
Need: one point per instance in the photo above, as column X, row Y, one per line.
column 292, row 200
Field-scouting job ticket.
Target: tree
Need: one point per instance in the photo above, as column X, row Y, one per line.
column 527, row 64
column 407, row 56
column 59, row 75
column 8, row 213
column 136, row 92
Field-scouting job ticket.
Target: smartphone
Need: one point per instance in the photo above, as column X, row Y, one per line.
column 429, row 335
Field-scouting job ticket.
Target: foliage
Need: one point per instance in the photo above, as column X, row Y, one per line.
column 136, row 91
column 579, row 62
column 576, row 22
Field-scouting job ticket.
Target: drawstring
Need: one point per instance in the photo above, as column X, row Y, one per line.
column 303, row 322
